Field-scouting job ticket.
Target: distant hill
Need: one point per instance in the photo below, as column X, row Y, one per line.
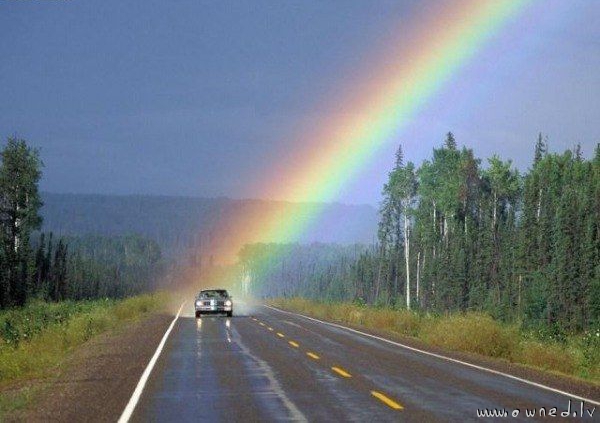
column 178, row 223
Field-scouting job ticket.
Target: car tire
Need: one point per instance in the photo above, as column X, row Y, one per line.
column 198, row 315
column 230, row 314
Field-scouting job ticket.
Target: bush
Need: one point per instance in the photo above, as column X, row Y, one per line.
column 22, row 324
column 38, row 336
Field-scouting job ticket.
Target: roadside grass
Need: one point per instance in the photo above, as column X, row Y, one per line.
column 35, row 339
column 471, row 332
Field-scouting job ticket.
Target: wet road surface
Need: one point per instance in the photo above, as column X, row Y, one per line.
column 267, row 365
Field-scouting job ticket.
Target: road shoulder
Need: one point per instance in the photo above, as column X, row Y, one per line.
column 96, row 381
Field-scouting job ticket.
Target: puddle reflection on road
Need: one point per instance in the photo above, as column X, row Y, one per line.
column 227, row 327
column 228, row 330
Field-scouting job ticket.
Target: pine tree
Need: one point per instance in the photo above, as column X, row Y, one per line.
column 450, row 141
column 540, row 149
column 577, row 152
column 399, row 157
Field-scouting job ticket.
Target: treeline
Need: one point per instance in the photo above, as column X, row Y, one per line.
column 93, row 266
column 456, row 234
column 34, row 265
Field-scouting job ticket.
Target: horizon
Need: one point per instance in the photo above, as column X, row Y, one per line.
column 192, row 197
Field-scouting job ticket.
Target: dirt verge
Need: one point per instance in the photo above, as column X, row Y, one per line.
column 96, row 381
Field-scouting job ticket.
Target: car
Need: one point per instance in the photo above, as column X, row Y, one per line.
column 213, row 301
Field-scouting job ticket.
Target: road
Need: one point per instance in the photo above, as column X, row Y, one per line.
column 267, row 365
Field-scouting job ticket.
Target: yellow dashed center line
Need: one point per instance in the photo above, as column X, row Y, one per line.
column 341, row 371
column 387, row 401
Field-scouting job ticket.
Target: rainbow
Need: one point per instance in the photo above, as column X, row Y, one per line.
column 408, row 74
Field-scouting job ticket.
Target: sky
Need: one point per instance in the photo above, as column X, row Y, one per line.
column 201, row 98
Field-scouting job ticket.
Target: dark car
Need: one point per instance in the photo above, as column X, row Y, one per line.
column 213, row 301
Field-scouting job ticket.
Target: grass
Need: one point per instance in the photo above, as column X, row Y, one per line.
column 37, row 338
column 477, row 333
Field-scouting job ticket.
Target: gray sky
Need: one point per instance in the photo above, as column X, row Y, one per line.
column 197, row 98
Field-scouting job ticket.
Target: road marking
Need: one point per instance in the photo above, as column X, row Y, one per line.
column 387, row 401
column 313, row 355
column 137, row 393
column 254, row 318
column 442, row 357
column 273, row 387
column 341, row 371
column 270, row 328
column 294, row 344
column 261, row 323
column 292, row 323
column 281, row 335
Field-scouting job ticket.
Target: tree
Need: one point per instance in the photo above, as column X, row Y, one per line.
column 390, row 230
column 20, row 172
column 503, row 188
column 403, row 189
column 540, row 149
column 450, row 141
column 59, row 281
column 399, row 157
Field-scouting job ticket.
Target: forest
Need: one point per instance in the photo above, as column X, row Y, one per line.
column 457, row 234
column 38, row 265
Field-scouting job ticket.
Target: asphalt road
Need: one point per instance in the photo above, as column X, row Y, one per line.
column 266, row 365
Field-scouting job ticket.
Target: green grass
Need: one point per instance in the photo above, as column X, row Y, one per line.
column 38, row 337
column 477, row 333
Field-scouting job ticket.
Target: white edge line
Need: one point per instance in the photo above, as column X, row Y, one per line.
column 443, row 357
column 137, row 393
